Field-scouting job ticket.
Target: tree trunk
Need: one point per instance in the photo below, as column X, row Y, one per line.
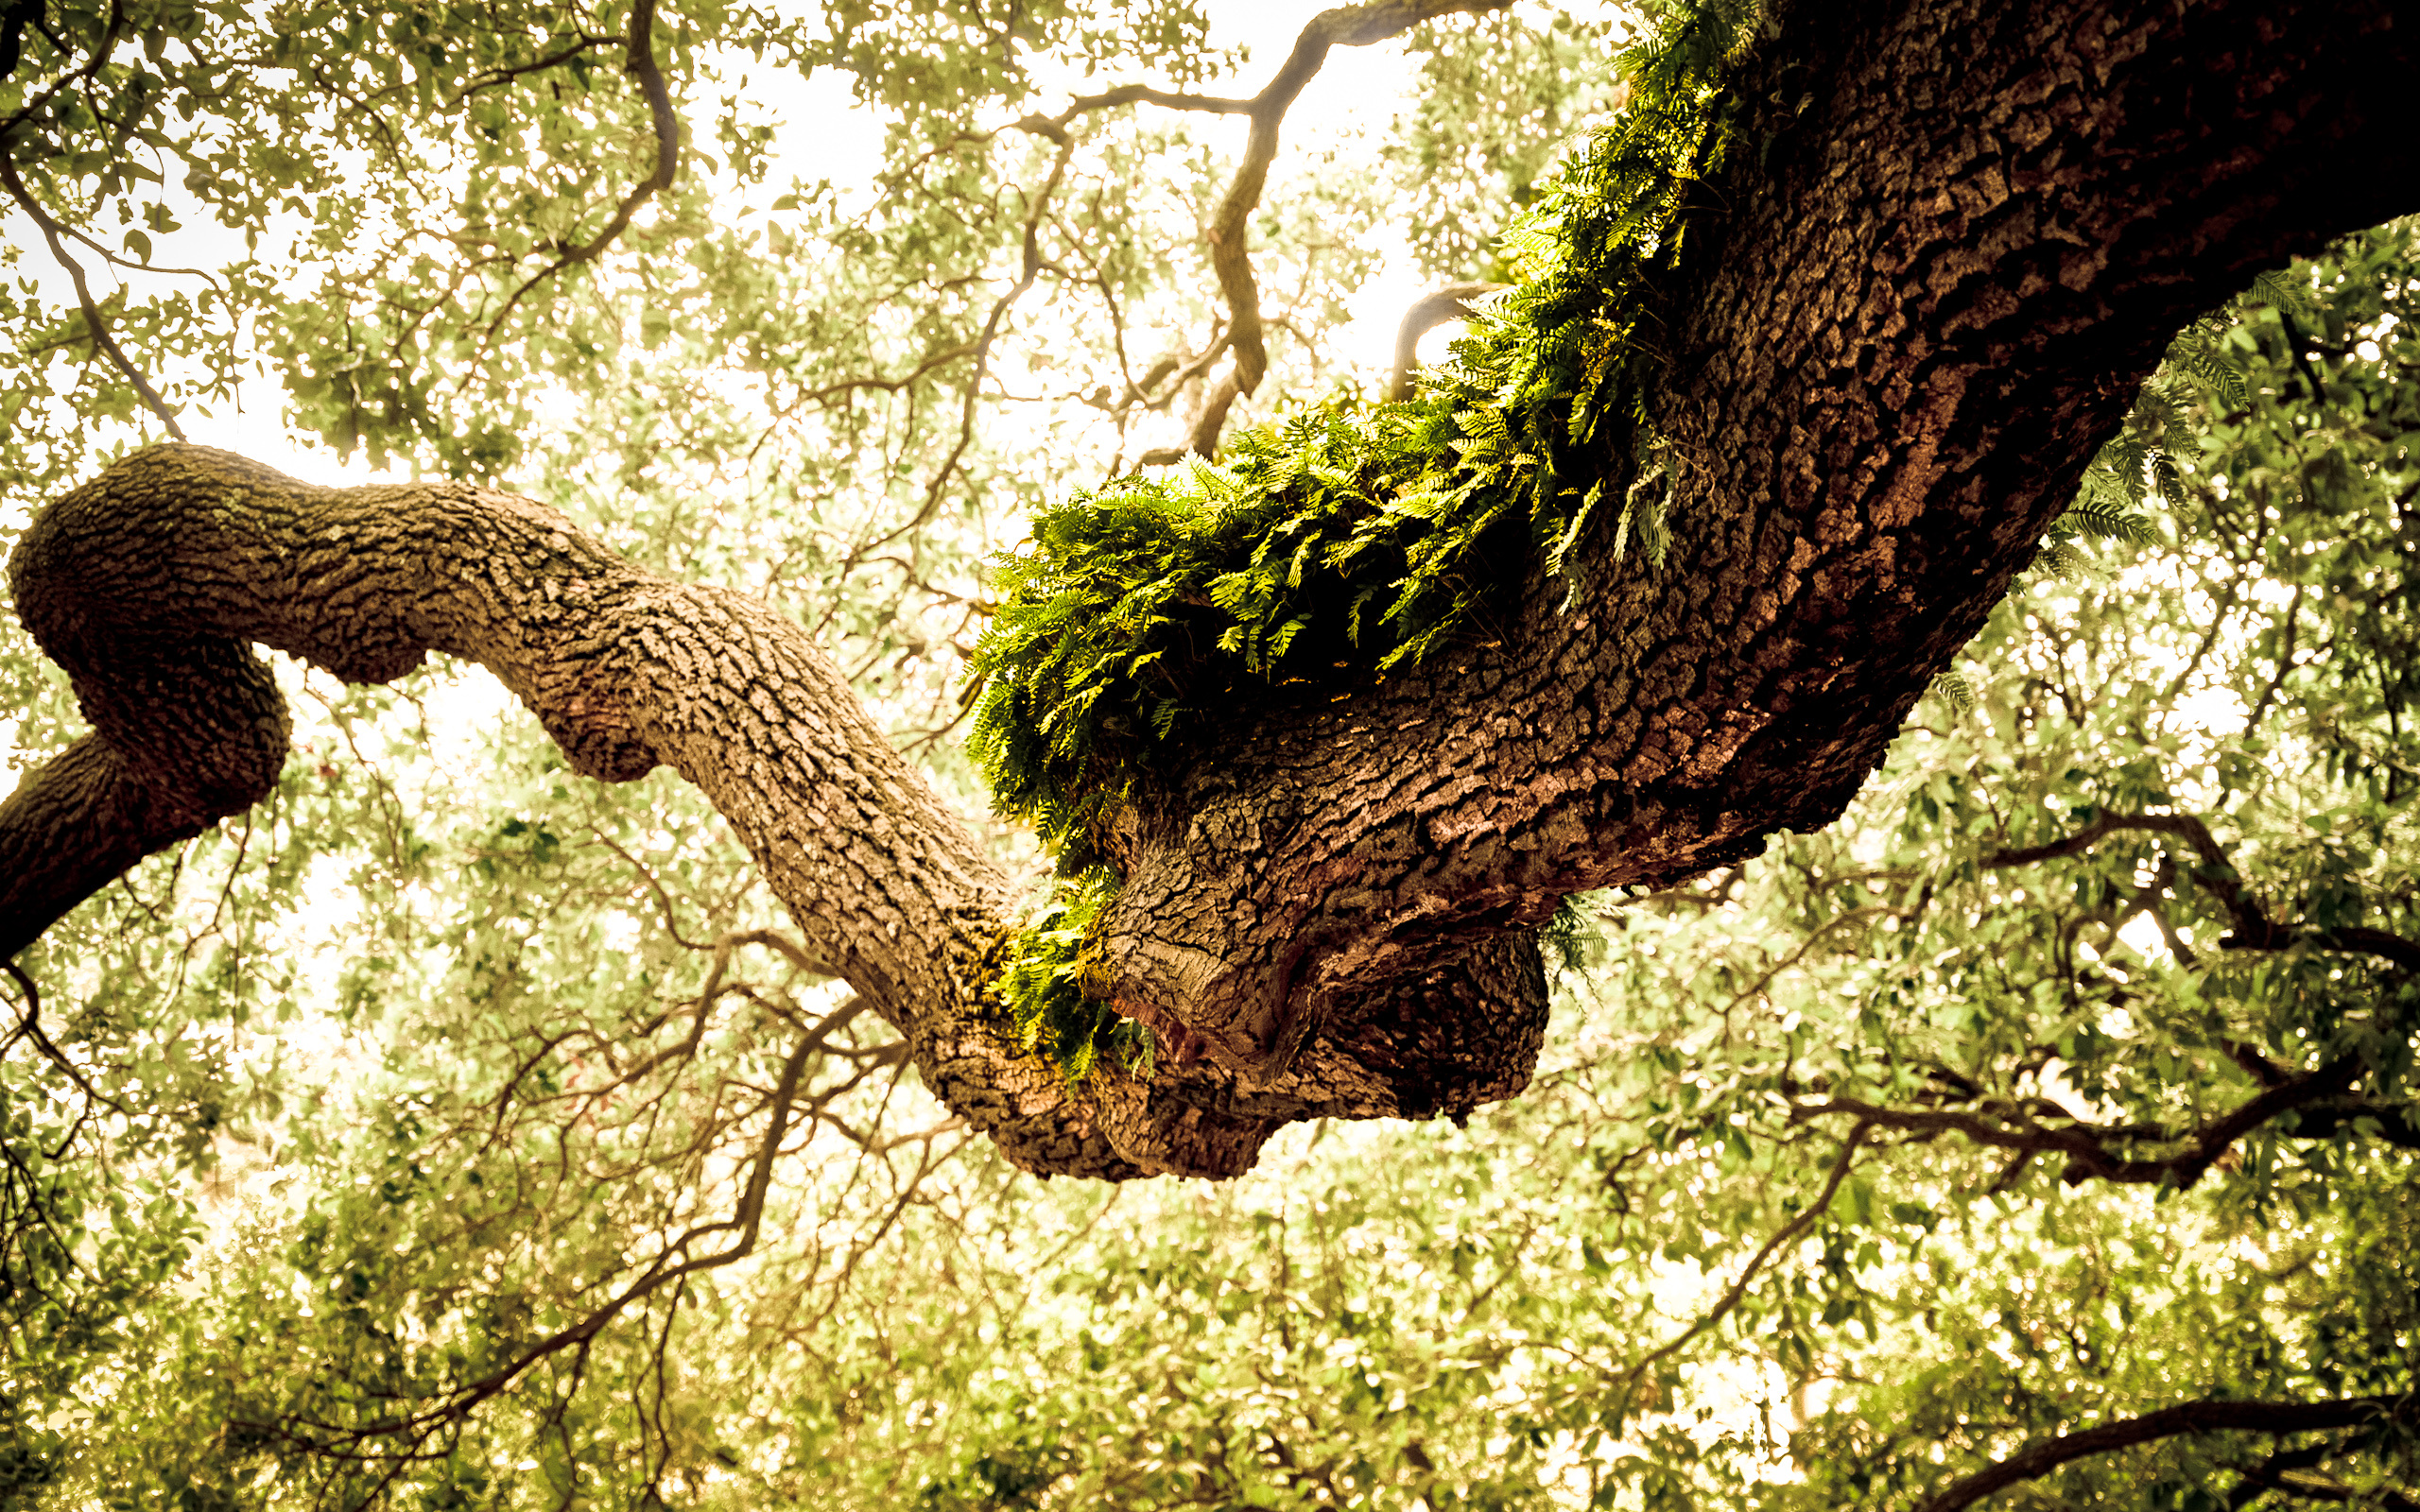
column 1952, row 239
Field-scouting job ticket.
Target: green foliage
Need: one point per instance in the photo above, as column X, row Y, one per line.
column 1049, row 962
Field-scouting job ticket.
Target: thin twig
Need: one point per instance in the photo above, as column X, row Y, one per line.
column 53, row 233
column 1739, row 1289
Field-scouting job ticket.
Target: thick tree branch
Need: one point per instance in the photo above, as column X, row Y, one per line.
column 146, row 584
column 1900, row 332
column 1905, row 323
column 2187, row 1417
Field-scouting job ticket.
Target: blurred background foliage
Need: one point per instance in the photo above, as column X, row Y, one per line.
column 451, row 1133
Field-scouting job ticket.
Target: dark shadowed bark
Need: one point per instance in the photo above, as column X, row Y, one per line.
column 1953, row 237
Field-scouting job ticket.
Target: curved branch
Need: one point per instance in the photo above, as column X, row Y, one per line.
column 1426, row 314
column 1228, row 233
column 2088, row 1148
column 53, row 233
column 2186, row 1418
column 147, row 584
column 641, row 64
column 1880, row 390
column 2254, row 929
column 1737, row 1289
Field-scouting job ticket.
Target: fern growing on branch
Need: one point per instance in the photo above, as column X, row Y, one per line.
column 1354, row 538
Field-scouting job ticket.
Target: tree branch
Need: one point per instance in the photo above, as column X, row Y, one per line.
column 2187, row 1417
column 1426, row 314
column 1327, row 894
column 640, row 63
column 1738, row 1288
column 1846, row 503
column 2088, row 1148
column 146, row 584
column 52, row 232
column 2254, row 930
column 1227, row 234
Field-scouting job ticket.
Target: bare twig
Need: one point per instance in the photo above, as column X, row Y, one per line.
column 1738, row 1288
column 1227, row 231
column 2285, row 663
column 1029, row 269
column 53, row 234
column 663, row 899
column 1426, row 314
column 677, row 1260
column 29, row 1027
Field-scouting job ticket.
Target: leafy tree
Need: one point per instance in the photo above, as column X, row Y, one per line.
column 422, row 1123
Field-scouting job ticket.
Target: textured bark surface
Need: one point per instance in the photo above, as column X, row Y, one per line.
column 1954, row 237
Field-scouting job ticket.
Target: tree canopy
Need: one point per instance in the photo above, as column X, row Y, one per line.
column 1873, row 705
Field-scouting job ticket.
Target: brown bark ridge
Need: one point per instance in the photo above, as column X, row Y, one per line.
column 1953, row 237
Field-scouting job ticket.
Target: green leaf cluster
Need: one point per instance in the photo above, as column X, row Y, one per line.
column 1049, row 962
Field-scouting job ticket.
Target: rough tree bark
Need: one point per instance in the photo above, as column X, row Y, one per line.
column 1953, row 238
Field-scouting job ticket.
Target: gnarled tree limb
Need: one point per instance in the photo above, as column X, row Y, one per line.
column 147, row 584
column 1897, row 345
column 1907, row 321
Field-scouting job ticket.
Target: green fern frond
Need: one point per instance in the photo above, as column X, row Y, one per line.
column 1954, row 690
column 2061, row 562
column 2279, row 291
column 2199, row 357
column 2099, row 516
